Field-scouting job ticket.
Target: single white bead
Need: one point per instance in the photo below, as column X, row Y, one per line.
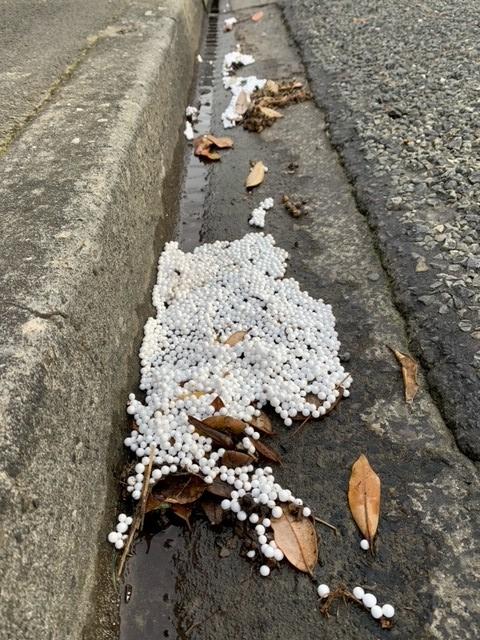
column 113, row 536
column 365, row 545
column 388, row 611
column 264, row 570
column 358, row 592
column 323, row 590
column 122, row 527
column 277, row 512
column 253, row 518
column 306, row 512
column 119, row 544
column 278, row 555
column 241, row 515
column 251, row 554
column 376, row 611
column 369, row 600
column 225, row 504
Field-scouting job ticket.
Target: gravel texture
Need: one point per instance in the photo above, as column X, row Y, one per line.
column 401, row 87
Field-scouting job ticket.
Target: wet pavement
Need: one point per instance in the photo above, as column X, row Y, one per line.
column 426, row 563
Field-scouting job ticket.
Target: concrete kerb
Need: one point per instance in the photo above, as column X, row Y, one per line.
column 82, row 216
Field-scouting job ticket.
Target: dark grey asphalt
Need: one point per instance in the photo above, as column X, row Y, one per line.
column 38, row 42
column 399, row 83
column 426, row 562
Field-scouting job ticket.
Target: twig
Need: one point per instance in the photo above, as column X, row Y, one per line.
column 138, row 518
column 326, row 524
column 197, row 624
column 300, row 427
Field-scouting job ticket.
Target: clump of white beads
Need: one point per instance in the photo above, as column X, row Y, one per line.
column 119, row 536
column 245, row 85
column 369, row 601
column 288, row 355
column 257, row 218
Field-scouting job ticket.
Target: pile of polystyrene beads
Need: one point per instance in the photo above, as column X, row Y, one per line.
column 290, row 350
column 257, row 218
column 119, row 536
column 368, row 600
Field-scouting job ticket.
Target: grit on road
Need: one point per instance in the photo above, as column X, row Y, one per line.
column 400, row 85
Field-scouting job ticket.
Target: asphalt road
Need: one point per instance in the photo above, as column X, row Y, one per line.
column 426, row 563
column 39, row 41
column 399, row 83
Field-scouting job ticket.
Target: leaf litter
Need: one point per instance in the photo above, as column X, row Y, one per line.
column 293, row 536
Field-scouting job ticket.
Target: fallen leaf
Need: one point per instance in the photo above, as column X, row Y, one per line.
column 219, row 488
column 262, row 423
column 218, row 404
column 225, row 423
column 236, row 459
column 271, row 87
column 180, row 489
column 266, row 451
column 221, row 439
column 184, row 512
column 202, row 148
column 256, row 175
column 257, row 16
column 154, row 504
column 221, row 143
column 235, row 338
column 212, row 510
column 270, row 113
column 364, row 497
column 409, row 374
column 298, row 541
column 242, row 103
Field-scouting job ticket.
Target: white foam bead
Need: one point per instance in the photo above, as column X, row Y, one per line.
column 369, row 600
column 358, row 592
column 376, row 611
column 323, row 590
column 388, row 611
column 264, row 570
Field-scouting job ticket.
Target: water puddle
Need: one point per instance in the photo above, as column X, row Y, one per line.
column 147, row 609
column 189, row 228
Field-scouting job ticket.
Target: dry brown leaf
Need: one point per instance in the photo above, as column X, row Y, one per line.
column 257, row 16
column 270, row 113
column 298, row 541
column 203, row 149
column 235, row 338
column 256, row 175
column 219, row 488
column 220, row 439
column 217, row 403
column 271, row 87
column 242, row 103
column 225, row 423
column 266, row 451
column 262, row 423
column 212, row 510
column 154, row 504
column 409, row 374
column 179, row 489
column 183, row 511
column 236, row 459
column 364, row 497
column 220, row 143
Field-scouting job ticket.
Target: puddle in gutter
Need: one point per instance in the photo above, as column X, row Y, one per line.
column 147, row 608
column 192, row 200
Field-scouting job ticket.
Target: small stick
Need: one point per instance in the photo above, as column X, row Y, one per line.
column 139, row 515
column 326, row 524
column 300, row 427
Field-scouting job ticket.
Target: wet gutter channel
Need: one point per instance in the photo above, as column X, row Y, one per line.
column 147, row 607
